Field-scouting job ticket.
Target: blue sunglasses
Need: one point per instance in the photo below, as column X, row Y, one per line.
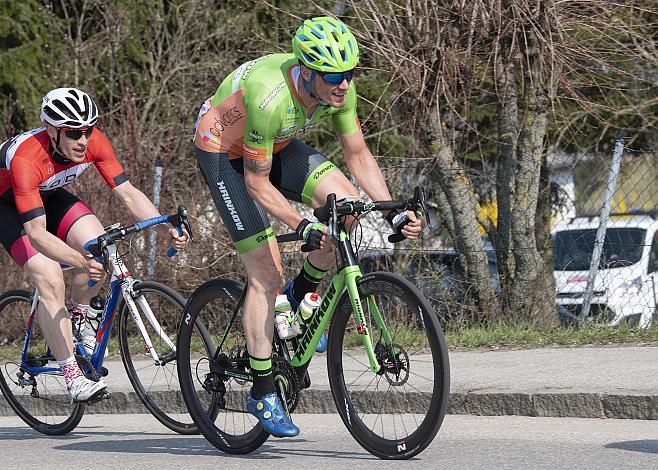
column 333, row 78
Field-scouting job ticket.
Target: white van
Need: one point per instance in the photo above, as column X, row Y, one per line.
column 626, row 287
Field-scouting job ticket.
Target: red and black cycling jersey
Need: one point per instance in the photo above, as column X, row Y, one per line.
column 29, row 165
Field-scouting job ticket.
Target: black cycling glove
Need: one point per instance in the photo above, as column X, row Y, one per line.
column 311, row 233
column 397, row 220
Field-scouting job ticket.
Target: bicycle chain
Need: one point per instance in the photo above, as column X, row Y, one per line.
column 282, row 372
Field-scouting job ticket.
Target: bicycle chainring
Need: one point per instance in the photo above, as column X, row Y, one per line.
column 285, row 377
column 87, row 368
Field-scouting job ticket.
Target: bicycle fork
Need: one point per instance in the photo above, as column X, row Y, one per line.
column 346, row 280
column 351, row 274
column 132, row 302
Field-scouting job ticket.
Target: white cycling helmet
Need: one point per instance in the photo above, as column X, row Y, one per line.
column 68, row 107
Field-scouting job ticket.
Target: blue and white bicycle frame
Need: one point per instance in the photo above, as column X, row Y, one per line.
column 121, row 285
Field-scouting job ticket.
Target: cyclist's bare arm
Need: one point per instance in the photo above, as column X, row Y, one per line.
column 141, row 207
column 364, row 167
column 52, row 247
column 256, row 178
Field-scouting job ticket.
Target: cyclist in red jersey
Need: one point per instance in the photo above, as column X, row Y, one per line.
column 45, row 225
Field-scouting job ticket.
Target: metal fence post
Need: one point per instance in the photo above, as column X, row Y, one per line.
column 603, row 225
column 157, row 182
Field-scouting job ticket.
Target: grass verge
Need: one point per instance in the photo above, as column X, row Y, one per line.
column 519, row 336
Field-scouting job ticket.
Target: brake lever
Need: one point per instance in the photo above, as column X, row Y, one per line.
column 106, row 256
column 180, row 221
column 185, row 222
column 188, row 229
column 417, row 202
column 419, row 195
column 98, row 250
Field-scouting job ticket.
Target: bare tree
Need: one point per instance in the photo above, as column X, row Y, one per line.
column 534, row 59
column 419, row 42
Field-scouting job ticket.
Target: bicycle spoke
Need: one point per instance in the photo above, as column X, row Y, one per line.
column 228, row 426
column 397, row 411
column 49, row 412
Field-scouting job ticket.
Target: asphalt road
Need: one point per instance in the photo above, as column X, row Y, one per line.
column 464, row 442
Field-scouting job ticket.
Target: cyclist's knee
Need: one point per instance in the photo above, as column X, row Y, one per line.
column 51, row 288
column 39, row 268
column 88, row 227
column 328, row 249
column 48, row 279
column 324, row 258
column 263, row 267
column 267, row 281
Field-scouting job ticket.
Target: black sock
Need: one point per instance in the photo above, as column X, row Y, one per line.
column 261, row 371
column 306, row 281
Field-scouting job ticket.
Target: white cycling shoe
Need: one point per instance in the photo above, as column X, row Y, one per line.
column 82, row 389
column 89, row 339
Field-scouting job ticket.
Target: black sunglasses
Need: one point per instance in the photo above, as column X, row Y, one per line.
column 336, row 78
column 75, row 134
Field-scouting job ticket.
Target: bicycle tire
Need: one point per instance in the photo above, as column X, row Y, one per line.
column 366, row 405
column 212, row 304
column 49, row 412
column 156, row 385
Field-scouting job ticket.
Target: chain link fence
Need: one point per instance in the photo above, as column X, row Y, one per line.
column 607, row 254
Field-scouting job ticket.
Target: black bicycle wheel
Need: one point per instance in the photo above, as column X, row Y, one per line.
column 393, row 414
column 40, row 400
column 156, row 384
column 233, row 430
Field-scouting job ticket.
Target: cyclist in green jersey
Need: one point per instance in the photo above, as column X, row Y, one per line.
column 247, row 150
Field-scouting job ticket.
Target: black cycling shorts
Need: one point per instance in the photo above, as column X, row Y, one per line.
column 296, row 171
column 62, row 208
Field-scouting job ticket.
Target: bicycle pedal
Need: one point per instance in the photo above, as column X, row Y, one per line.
column 102, row 395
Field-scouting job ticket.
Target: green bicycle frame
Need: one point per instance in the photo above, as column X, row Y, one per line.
column 345, row 279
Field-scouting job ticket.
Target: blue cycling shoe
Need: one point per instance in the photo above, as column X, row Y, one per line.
column 322, row 344
column 271, row 415
column 287, row 289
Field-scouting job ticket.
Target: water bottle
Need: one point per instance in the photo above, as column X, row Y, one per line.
column 95, row 311
column 309, row 304
column 285, row 319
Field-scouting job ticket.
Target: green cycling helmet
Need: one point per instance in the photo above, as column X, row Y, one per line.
column 325, row 44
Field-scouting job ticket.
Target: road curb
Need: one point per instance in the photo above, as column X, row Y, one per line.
column 556, row 405
column 561, row 405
